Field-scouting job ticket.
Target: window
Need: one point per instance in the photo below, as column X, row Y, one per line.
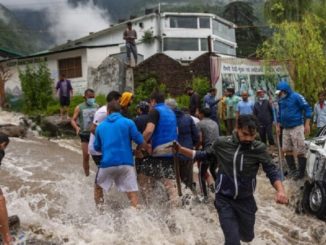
column 181, row 44
column 70, row 67
column 224, row 31
column 223, row 48
column 204, row 22
column 183, row 22
column 204, row 44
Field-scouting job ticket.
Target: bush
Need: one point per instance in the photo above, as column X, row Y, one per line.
column 183, row 101
column 37, row 87
column 201, row 85
column 143, row 92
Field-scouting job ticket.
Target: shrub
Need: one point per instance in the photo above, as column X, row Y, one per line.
column 36, row 86
column 201, row 85
column 183, row 101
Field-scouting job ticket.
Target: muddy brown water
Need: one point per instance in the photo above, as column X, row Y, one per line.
column 44, row 184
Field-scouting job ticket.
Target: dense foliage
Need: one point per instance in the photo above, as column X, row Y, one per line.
column 36, row 86
column 300, row 47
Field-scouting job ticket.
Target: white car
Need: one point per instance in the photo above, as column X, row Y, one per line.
column 314, row 192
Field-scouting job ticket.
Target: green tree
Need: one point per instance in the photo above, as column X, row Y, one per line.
column 247, row 35
column 36, row 86
column 299, row 47
column 278, row 11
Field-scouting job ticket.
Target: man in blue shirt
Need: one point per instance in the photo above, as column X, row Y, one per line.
column 245, row 106
column 211, row 102
column 113, row 138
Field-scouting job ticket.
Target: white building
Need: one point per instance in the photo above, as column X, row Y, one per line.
column 97, row 60
column 182, row 36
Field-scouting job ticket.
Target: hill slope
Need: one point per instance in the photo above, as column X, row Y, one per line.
column 14, row 36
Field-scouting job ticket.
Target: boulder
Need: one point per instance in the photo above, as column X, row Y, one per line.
column 54, row 126
column 13, row 130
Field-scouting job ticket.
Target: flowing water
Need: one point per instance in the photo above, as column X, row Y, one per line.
column 44, row 184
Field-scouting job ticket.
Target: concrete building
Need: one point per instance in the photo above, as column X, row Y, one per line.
column 182, row 36
column 97, row 60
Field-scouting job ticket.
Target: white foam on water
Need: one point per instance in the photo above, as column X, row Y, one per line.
column 62, row 210
column 10, row 117
column 44, row 184
column 69, row 144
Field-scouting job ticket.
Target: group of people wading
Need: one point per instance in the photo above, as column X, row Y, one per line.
column 162, row 132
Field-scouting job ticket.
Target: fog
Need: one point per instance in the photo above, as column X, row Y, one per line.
column 66, row 22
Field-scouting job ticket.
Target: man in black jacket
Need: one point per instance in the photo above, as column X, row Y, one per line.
column 194, row 103
column 264, row 113
column 239, row 157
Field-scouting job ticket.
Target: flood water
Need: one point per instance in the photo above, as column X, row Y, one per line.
column 44, row 184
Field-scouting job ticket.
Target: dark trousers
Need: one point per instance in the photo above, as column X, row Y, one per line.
column 266, row 130
column 186, row 172
column 203, row 166
column 230, row 126
column 237, row 218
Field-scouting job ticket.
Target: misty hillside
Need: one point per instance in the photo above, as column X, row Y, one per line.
column 14, row 36
column 38, row 32
column 122, row 9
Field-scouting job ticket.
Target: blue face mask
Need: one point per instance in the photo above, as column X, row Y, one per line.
column 90, row 101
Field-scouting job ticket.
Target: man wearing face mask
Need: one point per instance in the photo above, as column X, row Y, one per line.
column 82, row 121
column 264, row 113
column 294, row 115
column 239, row 157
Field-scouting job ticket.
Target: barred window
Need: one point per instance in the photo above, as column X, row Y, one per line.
column 70, row 67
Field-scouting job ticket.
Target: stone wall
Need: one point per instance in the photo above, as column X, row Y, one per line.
column 170, row 72
column 111, row 74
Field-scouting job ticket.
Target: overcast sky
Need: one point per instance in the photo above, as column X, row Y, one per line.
column 66, row 22
column 31, row 4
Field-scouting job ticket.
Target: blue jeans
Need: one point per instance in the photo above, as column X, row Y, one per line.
column 237, row 218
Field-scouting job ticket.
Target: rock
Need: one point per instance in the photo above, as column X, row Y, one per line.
column 294, row 234
column 13, row 130
column 53, row 126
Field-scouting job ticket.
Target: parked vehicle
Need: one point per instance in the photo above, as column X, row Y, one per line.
column 314, row 191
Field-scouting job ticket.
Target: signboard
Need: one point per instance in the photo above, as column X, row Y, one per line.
column 247, row 75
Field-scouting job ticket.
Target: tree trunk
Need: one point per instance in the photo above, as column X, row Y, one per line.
column 2, row 93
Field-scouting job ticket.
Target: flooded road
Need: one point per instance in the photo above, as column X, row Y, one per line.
column 44, row 184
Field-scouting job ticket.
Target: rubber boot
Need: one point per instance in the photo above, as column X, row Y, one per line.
column 302, row 168
column 291, row 164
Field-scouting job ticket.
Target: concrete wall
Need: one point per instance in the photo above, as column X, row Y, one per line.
column 98, row 70
column 78, row 83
